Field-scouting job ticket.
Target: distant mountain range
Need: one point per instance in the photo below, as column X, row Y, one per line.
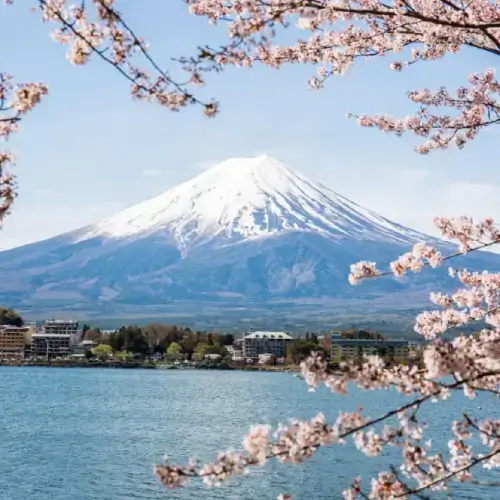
column 248, row 231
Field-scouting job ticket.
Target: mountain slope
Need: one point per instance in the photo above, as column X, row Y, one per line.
column 244, row 198
column 249, row 229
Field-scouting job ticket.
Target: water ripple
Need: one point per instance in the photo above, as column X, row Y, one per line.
column 84, row 434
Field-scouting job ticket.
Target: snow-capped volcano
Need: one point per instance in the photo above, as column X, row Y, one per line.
column 249, row 229
column 245, row 198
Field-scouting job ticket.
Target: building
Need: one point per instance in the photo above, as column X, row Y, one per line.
column 83, row 349
column 273, row 343
column 213, row 357
column 237, row 352
column 55, row 339
column 355, row 348
column 61, row 327
column 12, row 341
column 50, row 345
column 31, row 327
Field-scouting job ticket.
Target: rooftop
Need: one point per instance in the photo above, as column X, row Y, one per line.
column 61, row 321
column 269, row 335
column 368, row 342
column 51, row 335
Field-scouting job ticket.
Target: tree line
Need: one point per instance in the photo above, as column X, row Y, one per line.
column 174, row 340
column 162, row 339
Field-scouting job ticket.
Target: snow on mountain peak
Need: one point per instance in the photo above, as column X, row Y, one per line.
column 243, row 198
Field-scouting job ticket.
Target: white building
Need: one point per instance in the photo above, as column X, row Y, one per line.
column 274, row 343
column 55, row 339
column 213, row 357
column 237, row 350
column 60, row 327
column 50, row 345
column 355, row 348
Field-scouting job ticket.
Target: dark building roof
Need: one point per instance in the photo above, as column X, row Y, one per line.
column 370, row 342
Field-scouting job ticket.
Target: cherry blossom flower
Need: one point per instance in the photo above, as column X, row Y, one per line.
column 16, row 100
column 332, row 36
column 471, row 362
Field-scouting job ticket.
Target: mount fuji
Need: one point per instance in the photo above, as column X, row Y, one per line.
column 249, row 230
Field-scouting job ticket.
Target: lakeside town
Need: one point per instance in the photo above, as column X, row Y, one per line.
column 61, row 342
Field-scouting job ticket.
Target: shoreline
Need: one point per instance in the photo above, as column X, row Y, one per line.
column 152, row 366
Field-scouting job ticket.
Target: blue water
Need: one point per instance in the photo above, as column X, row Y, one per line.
column 82, row 434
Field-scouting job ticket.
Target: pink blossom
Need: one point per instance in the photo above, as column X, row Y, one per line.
column 363, row 270
column 16, row 100
column 471, row 362
column 338, row 35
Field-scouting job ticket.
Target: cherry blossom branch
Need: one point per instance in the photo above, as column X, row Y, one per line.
column 343, row 31
column 438, row 474
column 16, row 100
column 481, row 289
column 473, row 463
column 423, row 255
column 104, row 32
column 314, row 434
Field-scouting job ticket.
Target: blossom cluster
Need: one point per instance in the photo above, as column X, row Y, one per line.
column 477, row 301
column 16, row 100
column 97, row 28
column 94, row 28
column 298, row 441
column 343, row 31
column 469, row 363
column 339, row 32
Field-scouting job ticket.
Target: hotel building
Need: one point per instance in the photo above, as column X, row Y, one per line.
column 55, row 339
column 12, row 341
column 274, row 343
column 343, row 348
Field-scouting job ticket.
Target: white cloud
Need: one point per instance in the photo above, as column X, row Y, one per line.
column 152, row 172
column 413, row 197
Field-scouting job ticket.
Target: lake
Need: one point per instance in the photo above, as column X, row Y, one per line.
column 84, row 434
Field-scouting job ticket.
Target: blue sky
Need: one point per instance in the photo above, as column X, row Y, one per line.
column 89, row 150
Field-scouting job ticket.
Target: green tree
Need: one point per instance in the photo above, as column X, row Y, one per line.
column 102, row 351
column 189, row 344
column 138, row 344
column 300, row 349
column 10, row 317
column 92, row 334
column 128, row 338
column 226, row 339
column 174, row 349
column 123, row 355
column 203, row 349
